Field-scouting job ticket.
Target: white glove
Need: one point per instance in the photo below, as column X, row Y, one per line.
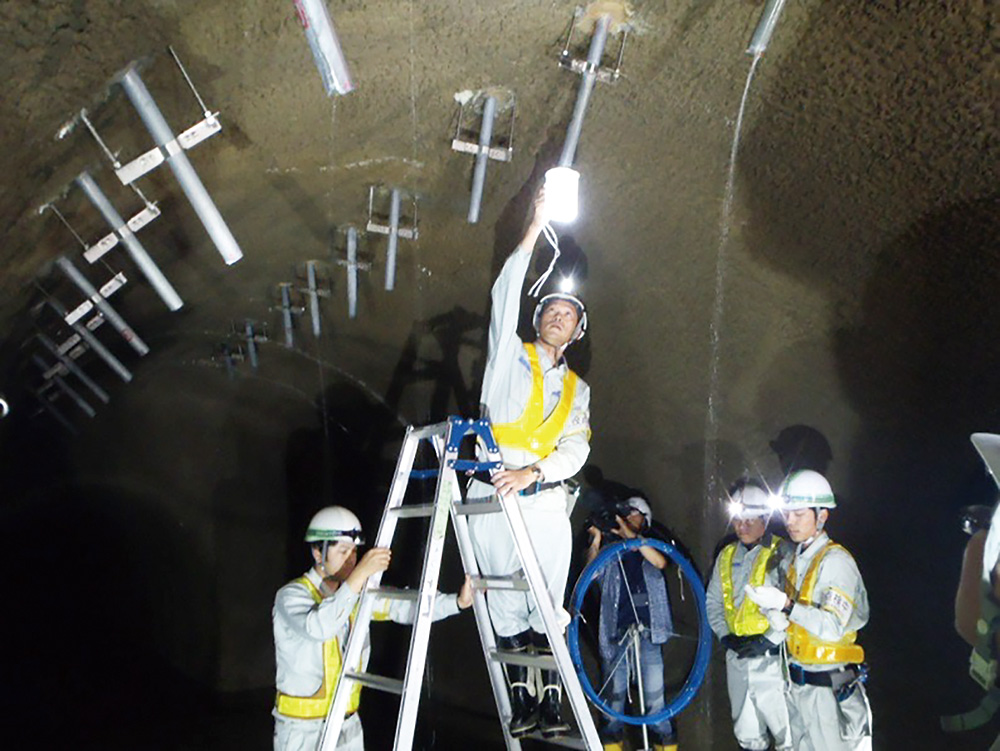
column 767, row 598
column 777, row 619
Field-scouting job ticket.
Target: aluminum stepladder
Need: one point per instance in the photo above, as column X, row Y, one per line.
column 446, row 438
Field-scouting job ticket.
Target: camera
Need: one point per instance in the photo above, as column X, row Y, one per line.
column 604, row 519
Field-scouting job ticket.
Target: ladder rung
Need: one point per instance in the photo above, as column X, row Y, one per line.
column 416, row 509
column 566, row 741
column 545, row 662
column 490, row 507
column 380, row 682
column 395, row 593
column 517, row 582
column 424, row 474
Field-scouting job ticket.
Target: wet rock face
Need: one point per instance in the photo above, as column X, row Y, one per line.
column 857, row 280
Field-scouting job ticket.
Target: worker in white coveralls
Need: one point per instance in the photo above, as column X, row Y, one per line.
column 541, row 421
column 753, row 647
column 823, row 606
column 312, row 618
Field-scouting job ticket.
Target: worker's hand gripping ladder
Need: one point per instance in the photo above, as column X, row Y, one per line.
column 446, row 438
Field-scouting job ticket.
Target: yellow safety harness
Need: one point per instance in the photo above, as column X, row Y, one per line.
column 532, row 431
column 805, row 648
column 317, row 706
column 747, row 620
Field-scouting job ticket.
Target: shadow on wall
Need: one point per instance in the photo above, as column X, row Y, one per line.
column 347, row 460
column 445, row 353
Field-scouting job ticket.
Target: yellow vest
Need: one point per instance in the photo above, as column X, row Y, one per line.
column 747, row 620
column 317, row 706
column 532, row 431
column 805, row 648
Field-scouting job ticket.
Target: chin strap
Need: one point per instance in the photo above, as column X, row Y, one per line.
column 550, row 235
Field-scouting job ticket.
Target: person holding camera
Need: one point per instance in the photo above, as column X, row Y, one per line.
column 635, row 608
column 753, row 648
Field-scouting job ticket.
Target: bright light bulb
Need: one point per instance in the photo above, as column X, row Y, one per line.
column 562, row 188
column 567, row 285
column 735, row 509
column 775, row 501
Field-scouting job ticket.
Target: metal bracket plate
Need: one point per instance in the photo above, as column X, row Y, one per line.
column 494, row 152
column 384, row 229
column 153, row 158
column 109, row 288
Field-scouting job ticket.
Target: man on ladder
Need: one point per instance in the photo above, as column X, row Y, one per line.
column 541, row 421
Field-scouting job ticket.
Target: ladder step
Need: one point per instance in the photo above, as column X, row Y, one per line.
column 396, row 593
column 490, row 507
column 566, row 741
column 516, row 582
column 379, row 682
column 412, row 510
column 545, row 662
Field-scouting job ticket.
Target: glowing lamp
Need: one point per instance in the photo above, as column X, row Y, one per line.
column 562, row 187
column 567, row 285
column 735, row 509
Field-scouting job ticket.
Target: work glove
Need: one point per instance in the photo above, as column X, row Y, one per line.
column 777, row 619
column 733, row 642
column 767, row 598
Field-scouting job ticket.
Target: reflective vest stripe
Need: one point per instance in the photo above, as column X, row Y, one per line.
column 747, row 620
column 317, row 706
column 805, row 648
column 532, row 431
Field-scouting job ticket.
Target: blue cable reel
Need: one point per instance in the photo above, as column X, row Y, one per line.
column 702, row 654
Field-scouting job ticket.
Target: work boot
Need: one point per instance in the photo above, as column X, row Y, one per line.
column 550, row 721
column 614, row 745
column 523, row 706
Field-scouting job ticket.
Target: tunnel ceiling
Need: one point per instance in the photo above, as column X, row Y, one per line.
column 856, row 283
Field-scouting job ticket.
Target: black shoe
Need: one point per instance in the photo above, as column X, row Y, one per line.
column 523, row 717
column 550, row 721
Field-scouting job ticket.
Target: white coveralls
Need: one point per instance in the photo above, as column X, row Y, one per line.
column 756, row 684
column 507, row 384
column 300, row 628
column 839, row 606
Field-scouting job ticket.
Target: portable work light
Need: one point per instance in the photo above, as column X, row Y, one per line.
column 562, row 187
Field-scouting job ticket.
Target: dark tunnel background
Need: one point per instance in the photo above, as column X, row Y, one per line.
column 141, row 557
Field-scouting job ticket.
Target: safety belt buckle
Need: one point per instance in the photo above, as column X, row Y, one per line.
column 983, row 671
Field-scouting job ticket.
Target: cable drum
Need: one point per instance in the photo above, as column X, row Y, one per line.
column 703, row 652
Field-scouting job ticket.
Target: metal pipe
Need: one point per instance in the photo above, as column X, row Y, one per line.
column 73, row 368
column 102, row 305
column 352, row 272
column 191, row 184
column 55, row 412
column 286, row 316
column 66, row 388
column 765, row 27
column 482, row 158
column 118, row 225
column 251, row 345
column 325, row 46
column 93, row 342
column 586, row 87
column 313, row 296
column 390, row 257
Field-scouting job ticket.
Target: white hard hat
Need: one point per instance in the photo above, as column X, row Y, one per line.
column 576, row 302
column 750, row 501
column 806, row 488
column 335, row 523
column 639, row 504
